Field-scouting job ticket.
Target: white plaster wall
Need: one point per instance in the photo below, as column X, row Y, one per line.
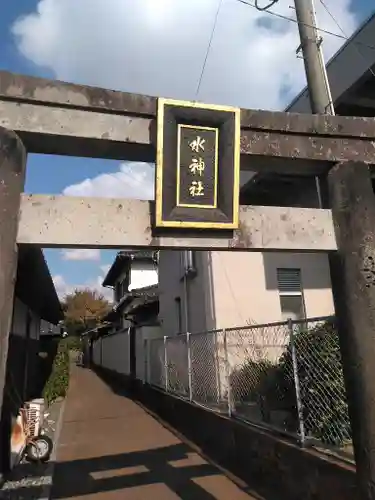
column 142, row 274
column 96, row 352
column 116, row 352
column 144, row 333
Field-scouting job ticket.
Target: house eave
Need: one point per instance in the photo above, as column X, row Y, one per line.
column 34, row 284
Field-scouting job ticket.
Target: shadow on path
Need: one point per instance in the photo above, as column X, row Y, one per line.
column 111, row 448
column 174, row 468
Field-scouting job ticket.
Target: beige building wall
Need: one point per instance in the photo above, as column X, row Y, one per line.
column 235, row 288
column 245, row 286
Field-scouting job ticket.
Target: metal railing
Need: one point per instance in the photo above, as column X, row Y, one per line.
column 285, row 376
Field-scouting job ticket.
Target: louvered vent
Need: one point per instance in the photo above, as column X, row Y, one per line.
column 289, row 280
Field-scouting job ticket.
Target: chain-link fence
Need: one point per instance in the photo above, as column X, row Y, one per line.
column 207, row 370
column 286, row 376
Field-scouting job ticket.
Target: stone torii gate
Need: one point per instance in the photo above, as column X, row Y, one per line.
column 44, row 116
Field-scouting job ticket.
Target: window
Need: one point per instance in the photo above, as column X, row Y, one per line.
column 291, row 294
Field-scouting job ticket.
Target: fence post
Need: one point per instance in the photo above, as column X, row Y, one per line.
column 227, row 373
column 165, row 365
column 188, row 343
column 296, row 384
column 217, row 370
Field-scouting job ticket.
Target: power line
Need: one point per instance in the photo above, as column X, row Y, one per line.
column 208, row 48
column 256, row 5
column 343, row 32
column 291, row 19
column 266, row 7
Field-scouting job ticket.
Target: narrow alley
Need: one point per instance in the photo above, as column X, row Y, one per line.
column 111, row 448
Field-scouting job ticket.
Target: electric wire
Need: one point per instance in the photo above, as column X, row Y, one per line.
column 208, row 48
column 291, row 19
column 345, row 34
column 266, row 9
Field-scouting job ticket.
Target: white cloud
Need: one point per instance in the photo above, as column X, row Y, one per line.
column 64, row 288
column 133, row 180
column 81, row 254
column 158, row 47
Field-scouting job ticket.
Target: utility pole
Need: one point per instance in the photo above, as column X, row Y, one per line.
column 316, row 75
column 354, row 299
column 317, row 81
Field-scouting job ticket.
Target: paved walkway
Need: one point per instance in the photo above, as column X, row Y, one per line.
column 110, row 448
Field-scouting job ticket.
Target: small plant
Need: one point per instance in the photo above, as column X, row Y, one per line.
column 58, row 382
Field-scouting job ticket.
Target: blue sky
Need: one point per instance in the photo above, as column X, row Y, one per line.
column 143, row 46
column 64, row 171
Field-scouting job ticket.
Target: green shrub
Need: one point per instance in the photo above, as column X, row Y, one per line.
column 58, row 382
column 73, row 342
column 256, row 382
column 249, row 381
column 323, row 395
column 322, row 390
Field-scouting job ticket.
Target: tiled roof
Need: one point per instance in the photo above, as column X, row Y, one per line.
column 137, row 254
column 147, row 291
column 34, row 284
column 146, row 295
